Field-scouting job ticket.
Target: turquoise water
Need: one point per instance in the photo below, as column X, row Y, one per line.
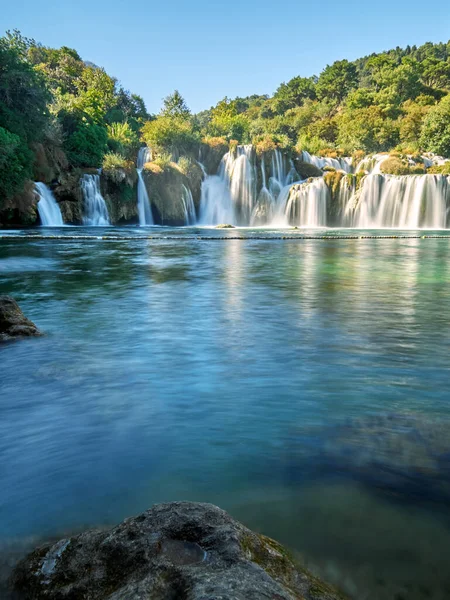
column 302, row 385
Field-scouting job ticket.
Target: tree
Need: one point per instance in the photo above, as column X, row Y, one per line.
column 167, row 134
column 174, row 105
column 337, row 80
column 15, row 163
column 23, row 94
column 367, row 129
column 228, row 123
column 435, row 135
column 87, row 144
column 294, row 93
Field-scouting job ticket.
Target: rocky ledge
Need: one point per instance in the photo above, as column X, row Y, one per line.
column 182, row 550
column 13, row 323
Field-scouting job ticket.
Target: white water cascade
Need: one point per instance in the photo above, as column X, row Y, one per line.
column 48, row 208
column 343, row 163
column 231, row 196
column 95, row 210
column 306, row 204
column 144, row 208
column 406, row 202
column 189, row 207
column 379, row 201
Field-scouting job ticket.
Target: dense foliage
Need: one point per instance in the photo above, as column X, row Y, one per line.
column 52, row 99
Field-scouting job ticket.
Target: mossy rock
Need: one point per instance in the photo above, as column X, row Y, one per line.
column 165, row 191
column 211, row 152
column 178, row 550
column 21, row 209
column 225, row 226
column 119, row 189
column 307, row 170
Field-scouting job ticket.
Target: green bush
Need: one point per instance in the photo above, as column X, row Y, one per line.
column 170, row 134
column 163, row 160
column 113, row 160
column 440, row 169
column 122, row 139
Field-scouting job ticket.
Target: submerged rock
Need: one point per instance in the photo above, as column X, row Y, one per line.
column 13, row 323
column 180, row 550
column 401, row 454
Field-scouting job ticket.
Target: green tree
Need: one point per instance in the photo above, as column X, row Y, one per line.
column 174, row 105
column 337, row 80
column 435, row 135
column 15, row 163
column 294, row 93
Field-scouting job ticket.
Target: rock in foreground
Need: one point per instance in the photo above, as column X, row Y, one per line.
column 13, row 323
column 182, row 550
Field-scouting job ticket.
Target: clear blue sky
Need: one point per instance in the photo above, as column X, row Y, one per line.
column 208, row 49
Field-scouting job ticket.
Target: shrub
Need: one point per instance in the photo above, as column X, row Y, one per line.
column 113, row 160
column 394, row 166
column 163, row 160
column 440, row 169
column 170, row 134
column 268, row 142
column 122, row 139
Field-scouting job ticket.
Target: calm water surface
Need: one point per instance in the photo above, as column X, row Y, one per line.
column 219, row 371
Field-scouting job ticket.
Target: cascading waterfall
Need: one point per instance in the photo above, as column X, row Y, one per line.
column 306, row 205
column 342, row 163
column 144, row 208
column 380, row 200
column 48, row 208
column 95, row 210
column 407, row 202
column 231, row 195
column 189, row 208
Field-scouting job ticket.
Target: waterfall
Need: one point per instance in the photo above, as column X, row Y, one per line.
column 306, row 204
column 216, row 205
column 189, row 208
column 407, row 202
column 231, row 196
column 380, row 200
column 95, row 210
column 144, row 208
column 48, row 208
column 342, row 164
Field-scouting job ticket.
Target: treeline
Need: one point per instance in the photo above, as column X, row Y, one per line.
column 394, row 100
column 58, row 111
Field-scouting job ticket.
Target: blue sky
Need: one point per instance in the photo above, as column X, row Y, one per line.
column 208, row 50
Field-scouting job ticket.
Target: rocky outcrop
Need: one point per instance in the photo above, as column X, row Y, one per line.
column 165, row 192
column 119, row 189
column 173, row 551
column 68, row 194
column 13, row 323
column 211, row 153
column 20, row 210
column 306, row 170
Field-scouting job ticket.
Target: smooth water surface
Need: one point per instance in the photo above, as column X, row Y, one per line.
column 187, row 369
